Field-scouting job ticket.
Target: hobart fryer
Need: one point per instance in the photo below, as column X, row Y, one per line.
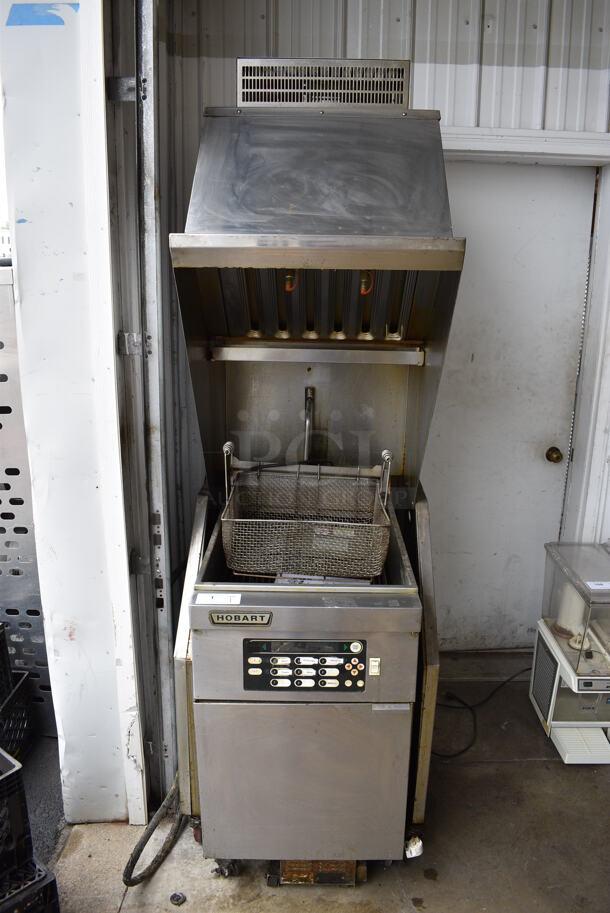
column 317, row 277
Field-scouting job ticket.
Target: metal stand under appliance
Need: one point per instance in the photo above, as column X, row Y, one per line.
column 570, row 683
column 317, row 269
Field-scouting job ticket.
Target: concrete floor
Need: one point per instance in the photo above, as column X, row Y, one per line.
column 509, row 829
column 43, row 792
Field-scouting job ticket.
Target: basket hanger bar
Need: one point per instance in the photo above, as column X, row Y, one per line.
column 310, row 469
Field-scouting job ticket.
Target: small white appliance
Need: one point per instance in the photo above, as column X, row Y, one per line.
column 570, row 683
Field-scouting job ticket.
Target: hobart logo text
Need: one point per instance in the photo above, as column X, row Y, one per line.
column 240, row 618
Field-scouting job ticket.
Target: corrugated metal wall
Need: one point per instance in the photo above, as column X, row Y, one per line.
column 488, row 63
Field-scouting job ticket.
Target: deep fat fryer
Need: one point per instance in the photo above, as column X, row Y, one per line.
column 317, row 277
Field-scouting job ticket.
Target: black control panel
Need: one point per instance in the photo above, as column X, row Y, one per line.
column 305, row 665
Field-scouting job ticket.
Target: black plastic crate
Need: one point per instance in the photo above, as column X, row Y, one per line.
column 6, row 677
column 30, row 889
column 15, row 837
column 16, row 729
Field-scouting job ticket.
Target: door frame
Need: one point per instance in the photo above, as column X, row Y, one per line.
column 586, row 515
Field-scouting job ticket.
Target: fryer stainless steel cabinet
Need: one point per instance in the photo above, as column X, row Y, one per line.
column 303, row 781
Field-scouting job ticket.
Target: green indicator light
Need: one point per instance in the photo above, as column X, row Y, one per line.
column 345, row 646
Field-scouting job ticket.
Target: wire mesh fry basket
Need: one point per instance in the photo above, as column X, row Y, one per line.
column 312, row 522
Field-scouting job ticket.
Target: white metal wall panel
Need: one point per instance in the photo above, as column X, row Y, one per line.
column 526, row 64
column 446, row 58
column 513, row 70
column 578, row 73
column 230, row 29
column 378, row 28
column 306, row 28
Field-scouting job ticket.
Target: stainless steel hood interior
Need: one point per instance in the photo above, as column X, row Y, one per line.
column 290, row 209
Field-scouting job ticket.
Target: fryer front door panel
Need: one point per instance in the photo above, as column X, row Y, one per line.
column 303, row 781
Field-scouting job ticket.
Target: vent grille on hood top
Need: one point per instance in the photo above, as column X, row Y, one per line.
column 322, row 83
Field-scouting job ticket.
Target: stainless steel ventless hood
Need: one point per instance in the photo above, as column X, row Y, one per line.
column 318, row 233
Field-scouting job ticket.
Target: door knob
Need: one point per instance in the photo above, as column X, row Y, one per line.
column 554, row 455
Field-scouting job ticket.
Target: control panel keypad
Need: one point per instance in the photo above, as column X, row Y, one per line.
column 311, row 665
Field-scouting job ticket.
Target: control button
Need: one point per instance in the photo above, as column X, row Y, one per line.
column 329, row 673
column 360, row 683
column 374, row 665
column 255, row 671
column 348, row 666
column 278, row 672
column 360, row 667
column 328, row 683
column 306, row 673
column 280, row 683
column 331, row 660
column 306, row 661
column 348, row 683
column 254, row 660
column 305, row 683
column 354, row 672
column 280, row 660
column 355, row 647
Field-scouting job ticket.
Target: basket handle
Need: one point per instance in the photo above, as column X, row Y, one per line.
column 228, row 450
column 386, row 457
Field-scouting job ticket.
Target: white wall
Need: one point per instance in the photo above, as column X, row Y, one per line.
column 506, row 395
column 54, row 103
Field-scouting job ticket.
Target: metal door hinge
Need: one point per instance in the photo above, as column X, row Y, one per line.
column 138, row 564
column 121, row 88
column 129, row 343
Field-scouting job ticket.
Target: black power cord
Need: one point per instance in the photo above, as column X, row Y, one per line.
column 176, row 829
column 461, row 704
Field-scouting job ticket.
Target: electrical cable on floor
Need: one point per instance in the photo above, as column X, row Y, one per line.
column 464, row 705
column 172, row 799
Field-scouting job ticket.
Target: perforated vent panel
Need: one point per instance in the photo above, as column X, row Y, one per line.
column 20, row 606
column 288, row 83
column 545, row 669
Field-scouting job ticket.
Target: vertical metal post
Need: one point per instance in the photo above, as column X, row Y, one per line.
column 153, row 345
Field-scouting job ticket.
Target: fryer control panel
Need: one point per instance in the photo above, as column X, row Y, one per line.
column 305, row 665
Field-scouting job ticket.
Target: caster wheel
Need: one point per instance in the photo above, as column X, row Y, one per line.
column 228, row 868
